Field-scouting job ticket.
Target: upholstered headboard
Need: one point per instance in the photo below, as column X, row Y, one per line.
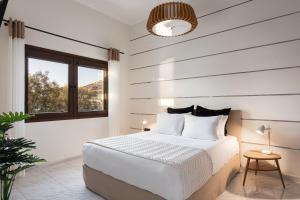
column 234, row 124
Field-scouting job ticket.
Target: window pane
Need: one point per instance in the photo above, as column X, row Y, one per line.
column 47, row 87
column 90, row 89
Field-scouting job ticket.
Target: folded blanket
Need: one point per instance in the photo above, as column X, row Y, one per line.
column 194, row 165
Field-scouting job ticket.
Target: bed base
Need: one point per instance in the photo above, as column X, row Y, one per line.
column 114, row 189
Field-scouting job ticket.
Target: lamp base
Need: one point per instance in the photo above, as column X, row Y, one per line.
column 266, row 151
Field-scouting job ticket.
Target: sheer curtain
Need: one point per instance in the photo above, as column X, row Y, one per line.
column 16, row 84
column 114, row 92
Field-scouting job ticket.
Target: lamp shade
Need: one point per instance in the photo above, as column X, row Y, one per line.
column 261, row 130
column 172, row 19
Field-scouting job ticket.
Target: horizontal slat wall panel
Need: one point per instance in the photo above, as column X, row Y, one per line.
column 257, row 107
column 242, row 84
column 201, row 8
column 289, row 163
column 136, row 121
column 227, row 19
column 283, row 134
column 248, row 59
column 271, row 57
column 270, row 32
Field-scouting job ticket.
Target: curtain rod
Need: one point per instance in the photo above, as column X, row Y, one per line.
column 61, row 36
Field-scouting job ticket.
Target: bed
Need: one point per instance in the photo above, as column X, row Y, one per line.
column 134, row 167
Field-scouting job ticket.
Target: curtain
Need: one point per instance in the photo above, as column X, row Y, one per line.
column 114, row 107
column 113, row 54
column 16, row 84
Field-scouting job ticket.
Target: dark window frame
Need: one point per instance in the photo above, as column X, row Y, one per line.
column 73, row 61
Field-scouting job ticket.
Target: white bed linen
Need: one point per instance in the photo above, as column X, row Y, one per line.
column 156, row 177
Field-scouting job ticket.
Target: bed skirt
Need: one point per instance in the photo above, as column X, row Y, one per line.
column 114, row 189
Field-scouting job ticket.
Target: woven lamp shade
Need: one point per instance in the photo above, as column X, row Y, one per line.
column 172, row 19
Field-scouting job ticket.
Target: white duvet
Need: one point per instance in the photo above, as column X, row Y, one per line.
column 158, row 172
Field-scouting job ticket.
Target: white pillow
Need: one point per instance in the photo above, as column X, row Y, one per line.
column 170, row 124
column 205, row 128
column 221, row 127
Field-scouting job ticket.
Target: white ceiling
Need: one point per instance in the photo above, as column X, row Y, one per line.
column 127, row 11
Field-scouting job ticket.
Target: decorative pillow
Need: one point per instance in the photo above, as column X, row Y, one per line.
column 170, row 124
column 221, row 126
column 181, row 110
column 201, row 111
column 205, row 128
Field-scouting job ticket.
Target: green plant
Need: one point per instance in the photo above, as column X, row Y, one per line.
column 15, row 153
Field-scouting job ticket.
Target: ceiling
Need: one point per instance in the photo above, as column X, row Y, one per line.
column 127, row 11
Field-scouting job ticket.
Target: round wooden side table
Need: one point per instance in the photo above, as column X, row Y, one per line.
column 255, row 166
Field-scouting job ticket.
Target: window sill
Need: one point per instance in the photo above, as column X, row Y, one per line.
column 61, row 118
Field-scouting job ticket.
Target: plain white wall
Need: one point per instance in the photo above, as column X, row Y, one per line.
column 245, row 57
column 59, row 140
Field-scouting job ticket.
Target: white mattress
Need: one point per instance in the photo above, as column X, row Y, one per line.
column 156, row 177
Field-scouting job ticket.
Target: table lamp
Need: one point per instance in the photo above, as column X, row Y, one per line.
column 144, row 122
column 262, row 130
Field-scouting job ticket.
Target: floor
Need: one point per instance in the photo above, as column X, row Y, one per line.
column 64, row 181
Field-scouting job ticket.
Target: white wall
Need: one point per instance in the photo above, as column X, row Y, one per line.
column 245, row 57
column 59, row 140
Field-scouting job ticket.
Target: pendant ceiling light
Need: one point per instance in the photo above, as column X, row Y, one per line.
column 172, row 19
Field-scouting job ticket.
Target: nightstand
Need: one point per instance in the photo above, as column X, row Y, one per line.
column 255, row 166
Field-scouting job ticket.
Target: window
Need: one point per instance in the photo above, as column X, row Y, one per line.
column 90, row 91
column 64, row 86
